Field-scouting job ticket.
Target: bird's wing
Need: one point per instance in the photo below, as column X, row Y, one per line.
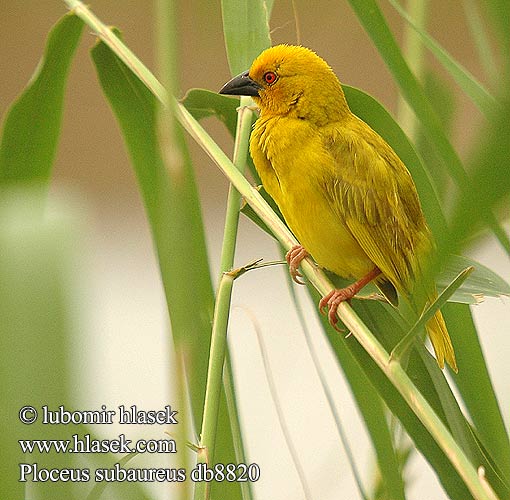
column 375, row 196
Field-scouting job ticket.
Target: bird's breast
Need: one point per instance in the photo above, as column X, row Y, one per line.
column 293, row 164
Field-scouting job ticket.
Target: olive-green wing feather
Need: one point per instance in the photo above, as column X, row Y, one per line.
column 376, row 198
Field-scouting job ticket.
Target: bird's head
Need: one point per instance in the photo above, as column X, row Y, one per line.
column 293, row 81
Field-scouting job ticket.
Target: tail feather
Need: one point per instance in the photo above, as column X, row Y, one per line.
column 436, row 329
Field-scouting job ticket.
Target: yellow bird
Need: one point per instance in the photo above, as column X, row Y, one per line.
column 344, row 192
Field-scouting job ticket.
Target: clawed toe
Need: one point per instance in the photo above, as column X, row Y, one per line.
column 294, row 257
column 296, row 276
column 330, row 302
column 333, row 299
column 324, row 302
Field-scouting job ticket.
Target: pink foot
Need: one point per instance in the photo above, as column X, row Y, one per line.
column 294, row 257
column 333, row 299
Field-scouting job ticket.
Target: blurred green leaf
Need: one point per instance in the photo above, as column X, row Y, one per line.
column 32, row 124
column 373, row 21
column 466, row 81
column 442, row 98
column 480, row 34
column 246, row 31
column 36, row 332
column 490, row 180
column 499, row 11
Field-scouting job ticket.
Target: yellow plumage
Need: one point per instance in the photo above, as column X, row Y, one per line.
column 343, row 191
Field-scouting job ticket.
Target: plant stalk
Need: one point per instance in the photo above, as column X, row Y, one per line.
column 219, row 346
column 214, row 378
column 244, row 121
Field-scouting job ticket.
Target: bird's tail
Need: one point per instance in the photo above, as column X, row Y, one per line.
column 436, row 329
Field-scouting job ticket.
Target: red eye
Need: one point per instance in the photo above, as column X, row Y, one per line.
column 270, row 77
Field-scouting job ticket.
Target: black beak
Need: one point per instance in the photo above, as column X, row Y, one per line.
column 241, row 85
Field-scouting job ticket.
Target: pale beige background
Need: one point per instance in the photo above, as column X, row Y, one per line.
column 124, row 345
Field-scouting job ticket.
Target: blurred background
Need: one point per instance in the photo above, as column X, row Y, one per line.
column 122, row 348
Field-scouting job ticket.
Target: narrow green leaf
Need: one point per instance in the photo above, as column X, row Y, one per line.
column 480, row 33
column 499, row 11
column 419, row 326
column 173, row 213
column 442, row 98
column 174, row 154
column 475, row 386
column 481, row 283
column 466, row 81
column 173, row 210
column 246, row 31
column 372, row 410
column 32, row 124
column 461, row 429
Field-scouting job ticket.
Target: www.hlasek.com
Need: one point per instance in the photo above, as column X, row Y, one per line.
column 86, row 444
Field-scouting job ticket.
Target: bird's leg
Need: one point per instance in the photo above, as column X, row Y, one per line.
column 294, row 257
column 334, row 298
